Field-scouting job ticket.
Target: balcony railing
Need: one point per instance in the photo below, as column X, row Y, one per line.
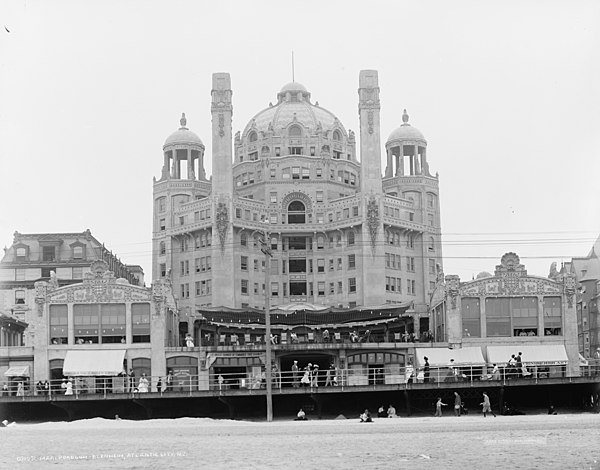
column 307, row 378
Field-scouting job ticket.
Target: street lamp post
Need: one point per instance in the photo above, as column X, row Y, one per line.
column 266, row 249
column 438, row 282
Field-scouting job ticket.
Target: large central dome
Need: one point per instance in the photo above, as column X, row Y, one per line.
column 293, row 105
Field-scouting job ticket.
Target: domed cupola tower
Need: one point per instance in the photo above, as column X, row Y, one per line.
column 183, row 147
column 406, row 151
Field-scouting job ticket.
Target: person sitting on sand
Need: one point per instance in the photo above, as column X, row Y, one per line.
column 366, row 417
column 391, row 412
column 301, row 416
column 381, row 413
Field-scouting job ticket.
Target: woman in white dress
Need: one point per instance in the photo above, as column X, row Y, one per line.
column 69, row 388
column 143, row 385
column 306, row 379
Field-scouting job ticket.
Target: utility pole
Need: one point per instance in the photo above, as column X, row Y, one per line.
column 266, row 249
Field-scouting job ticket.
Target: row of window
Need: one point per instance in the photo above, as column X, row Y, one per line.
column 21, row 274
column 302, row 288
column 296, row 213
column 295, row 132
column 393, row 261
column 513, row 316
column 297, row 173
column 202, row 288
column 300, row 265
column 49, row 253
column 99, row 323
column 301, row 243
column 394, row 284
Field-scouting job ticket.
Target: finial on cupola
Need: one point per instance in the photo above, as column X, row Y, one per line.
column 183, row 121
column 405, row 118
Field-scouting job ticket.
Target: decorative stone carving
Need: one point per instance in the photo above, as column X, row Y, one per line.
column 370, row 120
column 222, row 223
column 570, row 282
column 452, row 289
column 221, row 124
column 373, row 220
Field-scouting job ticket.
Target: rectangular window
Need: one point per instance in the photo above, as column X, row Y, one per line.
column 19, row 297
column 273, row 198
column 59, row 324
column 319, row 196
column 77, row 273
column 48, row 253
column 319, row 172
column 339, row 264
column 524, row 313
column 351, row 238
column 431, row 266
column 277, row 151
column 86, row 322
column 331, row 264
column 331, row 288
column 410, row 264
column 244, row 287
column 295, row 172
column 351, row 261
column 163, row 270
column 552, row 316
column 354, row 211
column 352, row 284
column 19, row 274
column 244, row 263
column 112, row 323
column 321, row 288
column 305, row 173
column 497, row 312
column 274, row 289
column 162, row 225
column 77, row 252
column 340, row 287
column 182, row 264
column 140, row 322
column 273, row 172
column 312, row 151
column 320, row 265
column 471, row 316
column 182, row 220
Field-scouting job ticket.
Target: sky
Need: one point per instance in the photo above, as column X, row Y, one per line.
column 506, row 93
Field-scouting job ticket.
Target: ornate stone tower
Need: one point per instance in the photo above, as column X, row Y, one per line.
column 222, row 191
column 373, row 276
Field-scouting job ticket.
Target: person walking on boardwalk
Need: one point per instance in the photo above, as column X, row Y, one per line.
column 295, row 375
column 426, row 370
column 457, row 404
column 487, row 407
column 438, row 407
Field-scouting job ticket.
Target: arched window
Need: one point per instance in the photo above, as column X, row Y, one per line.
column 252, row 137
column 296, row 213
column 295, row 131
column 337, row 135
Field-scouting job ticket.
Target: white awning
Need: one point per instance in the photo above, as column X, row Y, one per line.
column 546, row 354
column 91, row 363
column 17, row 371
column 441, row 356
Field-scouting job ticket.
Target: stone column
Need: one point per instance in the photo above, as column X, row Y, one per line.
column 417, row 163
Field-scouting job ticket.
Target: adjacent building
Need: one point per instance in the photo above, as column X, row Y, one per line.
column 587, row 271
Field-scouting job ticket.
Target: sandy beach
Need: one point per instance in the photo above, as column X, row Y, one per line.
column 522, row 442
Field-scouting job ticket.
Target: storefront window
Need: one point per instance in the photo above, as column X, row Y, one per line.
column 497, row 312
column 471, row 317
column 59, row 324
column 552, row 316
